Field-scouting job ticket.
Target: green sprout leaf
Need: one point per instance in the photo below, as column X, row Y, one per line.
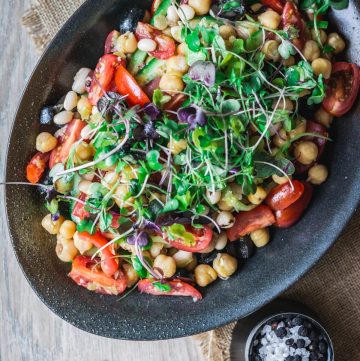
column 162, row 287
column 152, row 158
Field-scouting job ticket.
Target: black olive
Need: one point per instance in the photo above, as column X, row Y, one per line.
column 139, row 134
column 229, row 9
column 207, row 258
column 242, row 248
column 46, row 115
column 130, row 18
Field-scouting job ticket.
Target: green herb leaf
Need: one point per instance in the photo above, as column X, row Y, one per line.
column 178, row 232
column 86, row 225
column 105, row 221
column 162, row 287
column 152, row 158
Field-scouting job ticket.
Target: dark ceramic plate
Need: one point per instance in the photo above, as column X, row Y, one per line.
column 140, row 317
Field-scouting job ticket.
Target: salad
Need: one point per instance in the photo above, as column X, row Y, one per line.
column 176, row 156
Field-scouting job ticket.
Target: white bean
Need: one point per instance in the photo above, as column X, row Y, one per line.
column 213, row 197
column 63, row 117
column 71, row 100
column 147, row 45
column 225, row 219
column 186, row 12
column 80, row 80
column 86, row 132
column 172, row 14
column 221, row 241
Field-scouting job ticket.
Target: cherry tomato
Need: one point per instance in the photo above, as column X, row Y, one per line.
column 294, row 24
column 283, row 195
column 109, row 264
column 71, row 135
column 247, row 222
column 127, row 85
column 290, row 215
column 203, row 237
column 178, row 288
column 102, row 77
column 342, row 88
column 110, row 42
column 36, row 167
column 276, row 5
column 79, row 212
column 86, row 273
column 165, row 45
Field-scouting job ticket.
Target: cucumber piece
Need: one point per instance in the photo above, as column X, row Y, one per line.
column 150, row 71
column 161, row 10
column 136, row 61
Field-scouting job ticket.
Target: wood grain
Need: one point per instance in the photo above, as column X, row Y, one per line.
column 28, row 330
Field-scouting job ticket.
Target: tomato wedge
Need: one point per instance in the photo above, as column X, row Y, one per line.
column 36, row 167
column 342, row 88
column 86, row 274
column 276, row 5
column 127, row 85
column 79, row 212
column 290, row 215
column 110, row 42
column 71, row 135
column 283, row 195
column 203, row 237
column 165, row 45
column 102, row 77
column 293, row 24
column 246, row 222
column 178, row 288
column 109, row 264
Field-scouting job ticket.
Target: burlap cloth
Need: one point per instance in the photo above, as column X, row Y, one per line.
column 331, row 288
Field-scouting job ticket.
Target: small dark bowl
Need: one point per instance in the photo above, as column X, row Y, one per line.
column 140, row 317
column 248, row 328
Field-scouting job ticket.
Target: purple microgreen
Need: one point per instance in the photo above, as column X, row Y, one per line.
column 192, row 115
column 141, row 238
column 151, row 110
column 203, row 71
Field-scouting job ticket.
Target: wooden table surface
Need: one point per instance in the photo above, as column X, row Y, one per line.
column 28, row 330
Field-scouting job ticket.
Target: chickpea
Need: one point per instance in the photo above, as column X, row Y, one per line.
column 121, row 191
column 63, row 117
column 110, row 179
column 81, row 244
column 85, row 151
column 177, row 63
column 131, row 275
column 166, row 264
column 256, row 7
column 51, row 226
column 226, row 32
column 221, row 241
column 311, row 50
column 270, row 19
column 260, row 237
column 172, row 14
column 182, row 49
column 204, row 275
column 183, row 258
column 127, row 43
column 191, row 266
column 225, row 265
column 201, row 7
column 63, row 185
column 286, row 104
column 171, row 82
column 280, row 138
column 84, row 107
column 236, row 190
column 225, row 219
column 213, row 197
column 175, row 32
column 156, row 249
column 271, row 50
column 67, row 229
column 160, row 22
column 323, row 117
column 317, row 174
column 322, row 66
column 322, row 33
column 84, row 186
column 280, row 180
column 65, row 249
column 258, row 196
column 45, row 142
column 306, row 152
column 177, row 146
column 299, row 129
column 289, row 61
column 224, row 206
column 337, row 42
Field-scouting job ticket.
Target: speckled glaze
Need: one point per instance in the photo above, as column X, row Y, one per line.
column 141, row 317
